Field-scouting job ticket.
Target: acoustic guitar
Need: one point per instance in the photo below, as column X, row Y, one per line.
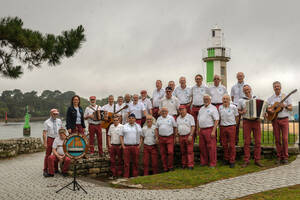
column 277, row 108
column 106, row 123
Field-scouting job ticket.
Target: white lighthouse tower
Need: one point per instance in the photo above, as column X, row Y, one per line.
column 216, row 56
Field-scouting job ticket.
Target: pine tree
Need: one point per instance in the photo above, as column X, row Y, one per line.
column 21, row 47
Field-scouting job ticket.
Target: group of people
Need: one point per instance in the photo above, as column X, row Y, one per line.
column 174, row 115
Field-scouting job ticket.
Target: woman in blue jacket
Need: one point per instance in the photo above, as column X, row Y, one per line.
column 75, row 120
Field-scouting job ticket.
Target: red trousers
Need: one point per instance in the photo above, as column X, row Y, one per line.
column 208, row 147
column 133, row 152
column 248, row 126
column 53, row 161
column 187, row 151
column 195, row 111
column 155, row 112
column 150, row 150
column 281, row 131
column 48, row 152
column 78, row 129
column 116, row 160
column 139, row 121
column 227, row 134
column 95, row 129
column 166, row 145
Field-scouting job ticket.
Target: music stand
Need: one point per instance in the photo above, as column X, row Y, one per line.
column 75, row 147
column 76, row 185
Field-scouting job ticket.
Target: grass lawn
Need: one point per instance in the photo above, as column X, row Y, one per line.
column 183, row 178
column 287, row 193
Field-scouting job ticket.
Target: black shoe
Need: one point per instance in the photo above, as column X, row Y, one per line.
column 284, row 162
column 191, row 168
column 226, row 162
column 277, row 162
column 231, row 165
column 64, row 174
column 46, row 175
column 166, row 170
column 172, row 169
column 183, row 167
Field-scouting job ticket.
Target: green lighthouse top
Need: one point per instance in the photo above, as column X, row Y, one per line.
column 27, row 119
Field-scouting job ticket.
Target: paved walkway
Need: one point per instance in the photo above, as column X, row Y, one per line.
column 21, row 178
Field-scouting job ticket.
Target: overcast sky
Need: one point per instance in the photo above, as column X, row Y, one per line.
column 130, row 44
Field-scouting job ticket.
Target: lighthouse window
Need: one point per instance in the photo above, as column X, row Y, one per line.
column 213, row 33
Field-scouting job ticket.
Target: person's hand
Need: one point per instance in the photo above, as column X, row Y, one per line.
column 70, row 131
column 109, row 146
column 177, row 139
column 139, row 146
column 213, row 134
column 282, row 105
column 190, row 138
column 156, row 140
column 60, row 158
column 123, row 146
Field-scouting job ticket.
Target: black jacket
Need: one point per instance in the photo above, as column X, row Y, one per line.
column 72, row 116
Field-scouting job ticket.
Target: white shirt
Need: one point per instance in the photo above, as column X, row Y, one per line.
column 207, row 116
column 237, row 92
column 228, row 114
column 114, row 132
column 217, row 93
column 149, row 135
column 58, row 145
column 52, row 127
column 109, row 108
column 198, row 93
column 273, row 99
column 124, row 119
column 185, row 124
column 147, row 104
column 90, row 111
column 157, row 96
column 183, row 95
column 131, row 134
column 165, row 125
column 137, row 109
column 78, row 116
column 172, row 104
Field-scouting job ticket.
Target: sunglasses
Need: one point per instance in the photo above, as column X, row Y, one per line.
column 216, row 79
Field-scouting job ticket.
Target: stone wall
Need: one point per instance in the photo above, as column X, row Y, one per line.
column 13, row 147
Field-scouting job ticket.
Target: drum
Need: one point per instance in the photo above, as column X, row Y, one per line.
column 255, row 109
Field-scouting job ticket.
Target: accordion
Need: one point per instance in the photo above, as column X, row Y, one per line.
column 98, row 115
column 255, row 109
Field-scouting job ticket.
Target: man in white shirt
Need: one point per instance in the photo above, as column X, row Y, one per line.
column 170, row 102
column 127, row 102
column 183, row 94
column 58, row 155
column 237, row 94
column 248, row 126
column 115, row 151
column 198, row 91
column 158, row 94
column 94, row 125
column 120, row 104
column 109, row 108
column 281, row 123
column 208, row 120
column 137, row 108
column 131, row 141
column 228, row 114
column 217, row 91
column 166, row 128
column 50, row 132
column 172, row 85
column 150, row 148
column 147, row 105
column 186, row 129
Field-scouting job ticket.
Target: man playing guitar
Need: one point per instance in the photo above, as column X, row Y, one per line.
column 281, row 123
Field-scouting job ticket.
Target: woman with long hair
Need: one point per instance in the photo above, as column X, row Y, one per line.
column 75, row 119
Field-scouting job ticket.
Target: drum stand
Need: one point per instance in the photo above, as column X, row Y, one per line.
column 75, row 184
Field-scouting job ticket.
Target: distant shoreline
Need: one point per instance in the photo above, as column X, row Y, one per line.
column 32, row 119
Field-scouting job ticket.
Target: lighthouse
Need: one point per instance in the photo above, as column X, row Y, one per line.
column 216, row 56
